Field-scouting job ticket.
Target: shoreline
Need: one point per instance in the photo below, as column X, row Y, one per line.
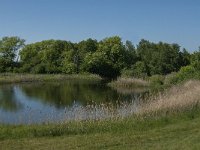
column 167, row 118
column 7, row 78
column 127, row 132
column 127, row 82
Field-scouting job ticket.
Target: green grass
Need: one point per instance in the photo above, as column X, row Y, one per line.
column 17, row 78
column 177, row 129
column 172, row 131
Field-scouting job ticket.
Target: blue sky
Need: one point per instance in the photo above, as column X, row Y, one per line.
column 173, row 21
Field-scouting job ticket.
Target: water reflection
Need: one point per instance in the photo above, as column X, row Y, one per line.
column 34, row 103
column 64, row 94
column 8, row 101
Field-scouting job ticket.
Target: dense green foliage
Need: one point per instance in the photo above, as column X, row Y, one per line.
column 109, row 57
column 9, row 48
column 189, row 72
column 108, row 60
column 48, row 57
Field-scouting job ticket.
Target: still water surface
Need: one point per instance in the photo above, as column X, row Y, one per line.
column 30, row 103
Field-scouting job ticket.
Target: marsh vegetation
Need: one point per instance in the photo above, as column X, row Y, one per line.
column 93, row 90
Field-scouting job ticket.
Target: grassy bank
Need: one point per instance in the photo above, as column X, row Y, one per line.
column 17, row 78
column 170, row 120
column 174, row 131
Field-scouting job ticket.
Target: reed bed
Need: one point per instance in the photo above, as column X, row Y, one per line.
column 129, row 83
column 175, row 99
column 77, row 113
column 178, row 98
column 18, row 78
column 101, row 111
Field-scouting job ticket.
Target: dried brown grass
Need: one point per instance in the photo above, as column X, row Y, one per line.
column 129, row 83
column 174, row 99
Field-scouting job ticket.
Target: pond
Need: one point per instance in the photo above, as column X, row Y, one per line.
column 33, row 103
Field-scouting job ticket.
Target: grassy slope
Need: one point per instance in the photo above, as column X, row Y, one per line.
column 172, row 132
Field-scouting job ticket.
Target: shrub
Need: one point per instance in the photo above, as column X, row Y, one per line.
column 156, row 80
column 40, row 68
column 187, row 72
column 171, row 79
column 127, row 73
column 69, row 68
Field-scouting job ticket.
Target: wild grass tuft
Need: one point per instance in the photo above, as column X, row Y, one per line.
column 177, row 98
column 129, row 83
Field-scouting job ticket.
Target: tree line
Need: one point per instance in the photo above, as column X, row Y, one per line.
column 109, row 57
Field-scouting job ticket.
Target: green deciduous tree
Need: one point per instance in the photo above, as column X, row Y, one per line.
column 51, row 56
column 82, row 49
column 9, row 49
column 131, row 55
column 161, row 58
column 109, row 58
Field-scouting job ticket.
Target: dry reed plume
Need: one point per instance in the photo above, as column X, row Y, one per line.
column 175, row 99
column 129, row 82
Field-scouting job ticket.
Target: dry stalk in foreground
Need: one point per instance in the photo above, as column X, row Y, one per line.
column 174, row 99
